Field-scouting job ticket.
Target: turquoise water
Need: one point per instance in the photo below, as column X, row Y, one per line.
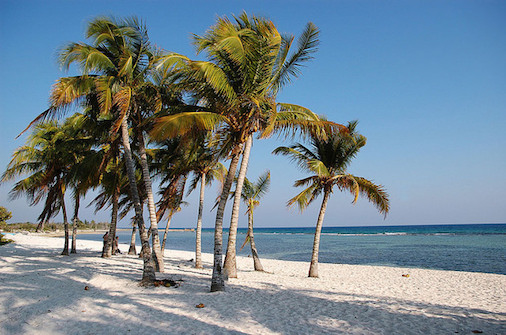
column 474, row 247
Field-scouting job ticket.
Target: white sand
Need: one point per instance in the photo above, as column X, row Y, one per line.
column 42, row 292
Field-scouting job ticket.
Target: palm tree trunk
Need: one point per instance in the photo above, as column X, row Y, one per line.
column 132, row 250
column 167, row 230
column 198, row 237
column 40, row 226
column 230, row 267
column 313, row 268
column 73, row 249
column 107, row 252
column 66, row 227
column 256, row 260
column 148, row 273
column 217, row 280
column 157, row 252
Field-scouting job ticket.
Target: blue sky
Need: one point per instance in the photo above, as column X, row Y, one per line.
column 426, row 80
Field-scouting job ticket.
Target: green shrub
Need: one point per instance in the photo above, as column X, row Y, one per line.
column 4, row 240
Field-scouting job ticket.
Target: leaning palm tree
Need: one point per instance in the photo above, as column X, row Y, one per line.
column 170, row 202
column 328, row 160
column 115, row 68
column 52, row 152
column 251, row 193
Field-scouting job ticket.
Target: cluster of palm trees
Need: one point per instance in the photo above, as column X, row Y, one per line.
column 146, row 113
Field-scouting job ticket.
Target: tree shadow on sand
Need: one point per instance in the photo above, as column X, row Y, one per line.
column 44, row 292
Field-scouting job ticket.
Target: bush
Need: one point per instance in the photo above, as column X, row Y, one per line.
column 4, row 216
column 20, row 226
column 4, row 240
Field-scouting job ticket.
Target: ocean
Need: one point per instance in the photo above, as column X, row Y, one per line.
column 470, row 247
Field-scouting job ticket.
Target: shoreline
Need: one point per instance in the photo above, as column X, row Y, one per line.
column 85, row 232
column 38, row 284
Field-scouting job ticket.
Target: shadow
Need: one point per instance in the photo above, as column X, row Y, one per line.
column 41, row 290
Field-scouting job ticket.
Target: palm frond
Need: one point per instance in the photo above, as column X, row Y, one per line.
column 184, row 123
column 304, row 198
column 296, row 155
column 375, row 194
column 262, row 184
column 213, row 76
column 307, row 45
column 318, row 167
column 170, row 62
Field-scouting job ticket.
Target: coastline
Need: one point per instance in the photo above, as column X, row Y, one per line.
column 43, row 293
column 61, row 233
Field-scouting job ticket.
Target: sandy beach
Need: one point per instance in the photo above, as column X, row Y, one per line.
column 42, row 292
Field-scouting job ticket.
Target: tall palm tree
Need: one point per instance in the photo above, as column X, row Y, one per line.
column 170, row 164
column 203, row 160
column 112, row 180
column 83, row 174
column 328, row 160
column 251, row 193
column 171, row 201
column 249, row 62
column 116, row 68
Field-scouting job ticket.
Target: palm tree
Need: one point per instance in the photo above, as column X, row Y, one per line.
column 170, row 164
column 53, row 151
column 83, row 174
column 116, row 68
column 251, row 193
column 203, row 160
column 171, row 201
column 112, row 180
column 250, row 61
column 328, row 160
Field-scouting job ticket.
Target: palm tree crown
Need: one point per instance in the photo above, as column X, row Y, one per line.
column 328, row 159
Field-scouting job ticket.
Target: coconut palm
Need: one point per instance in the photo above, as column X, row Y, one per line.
column 83, row 174
column 203, row 160
column 328, row 160
column 251, row 193
column 169, row 163
column 116, row 68
column 112, row 180
column 49, row 158
column 249, row 62
column 259, row 62
column 171, row 200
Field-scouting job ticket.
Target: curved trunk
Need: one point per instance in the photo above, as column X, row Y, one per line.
column 73, row 249
column 155, row 238
column 166, row 230
column 313, row 268
column 148, row 273
column 198, row 233
column 217, row 281
column 230, row 267
column 132, row 250
column 40, row 226
column 108, row 246
column 66, row 227
column 256, row 260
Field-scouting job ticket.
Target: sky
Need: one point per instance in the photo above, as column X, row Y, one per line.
column 425, row 79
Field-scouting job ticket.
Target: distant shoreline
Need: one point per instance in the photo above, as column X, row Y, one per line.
column 61, row 233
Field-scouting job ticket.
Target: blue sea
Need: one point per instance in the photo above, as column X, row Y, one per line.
column 470, row 247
